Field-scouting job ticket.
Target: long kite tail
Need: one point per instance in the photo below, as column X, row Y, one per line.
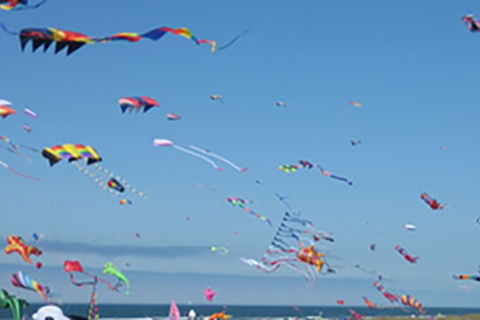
column 213, row 164
column 18, row 173
column 216, row 156
column 4, row 28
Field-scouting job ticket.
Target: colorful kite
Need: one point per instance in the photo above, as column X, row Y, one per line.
column 16, row 244
column 356, row 315
column 122, row 279
column 220, row 316
column 75, row 266
column 21, row 280
column 6, row 109
column 241, row 203
column 471, row 23
column 125, row 201
column 306, row 260
column 106, row 179
column 210, row 294
column 173, row 116
column 410, row 301
column 15, row 5
column 356, row 104
column 432, row 203
column 467, row 277
column 44, row 37
column 369, row 303
column 404, row 253
column 109, row 181
column 220, row 249
column 309, row 165
column 16, row 305
column 389, row 296
column 71, row 152
column 137, row 103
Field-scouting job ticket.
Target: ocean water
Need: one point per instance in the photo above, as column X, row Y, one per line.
column 133, row 311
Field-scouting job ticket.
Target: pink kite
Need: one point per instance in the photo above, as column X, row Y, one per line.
column 210, row 294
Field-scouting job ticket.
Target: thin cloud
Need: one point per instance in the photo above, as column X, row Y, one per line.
column 123, row 250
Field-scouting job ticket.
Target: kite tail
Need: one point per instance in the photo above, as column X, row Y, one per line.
column 4, row 28
column 199, row 156
column 213, row 155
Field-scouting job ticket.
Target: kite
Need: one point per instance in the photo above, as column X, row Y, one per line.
column 471, row 23
column 355, row 142
column 220, row 316
column 221, row 250
column 174, row 312
column 122, row 279
column 106, row 179
column 369, row 303
column 109, row 181
column 410, row 301
column 299, row 259
column 16, row 5
column 213, row 155
column 281, row 104
column 404, row 253
column 75, row 266
column 27, row 128
column 37, row 236
column 44, row 37
column 241, row 203
column 21, row 280
column 389, row 296
column 30, row 113
column 410, row 227
column 341, row 302
column 467, row 277
column 210, row 294
column 115, row 185
column 218, row 97
column 356, row 315
column 6, row 109
column 137, row 103
column 356, row 104
column 16, row 244
column 168, row 143
column 432, row 203
column 16, row 305
column 308, row 165
column 71, row 152
column 173, row 116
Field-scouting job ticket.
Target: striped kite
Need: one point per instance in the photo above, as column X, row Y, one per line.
column 44, row 37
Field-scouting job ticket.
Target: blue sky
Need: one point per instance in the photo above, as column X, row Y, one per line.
column 412, row 64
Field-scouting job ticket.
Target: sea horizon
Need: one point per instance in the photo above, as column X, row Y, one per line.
column 161, row 311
